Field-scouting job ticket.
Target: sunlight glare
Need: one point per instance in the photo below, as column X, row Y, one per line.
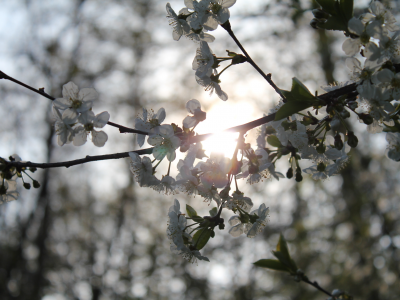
column 220, row 117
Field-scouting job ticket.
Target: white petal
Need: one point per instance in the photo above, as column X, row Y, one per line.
column 192, row 105
column 236, row 231
column 99, row 138
column 88, row 94
column 70, row 90
column 101, row 119
column 80, row 137
column 189, row 122
column 69, row 116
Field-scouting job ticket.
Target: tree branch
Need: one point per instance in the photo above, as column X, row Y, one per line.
column 316, row 285
column 75, row 162
column 122, row 129
column 227, row 27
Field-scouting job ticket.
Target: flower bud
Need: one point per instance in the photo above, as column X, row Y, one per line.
column 314, row 23
column 352, row 140
column 221, row 226
column 299, row 177
column 366, row 118
column 289, row 173
column 36, row 184
column 27, row 185
column 338, row 142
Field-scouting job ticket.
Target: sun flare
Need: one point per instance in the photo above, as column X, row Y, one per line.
column 220, row 117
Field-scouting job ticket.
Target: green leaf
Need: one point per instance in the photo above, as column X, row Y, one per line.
column 274, row 141
column 298, row 98
column 272, row 264
column 346, row 7
column 291, row 108
column 190, row 211
column 214, row 212
column 282, row 246
column 287, row 262
column 334, row 23
column 197, row 219
column 328, row 6
column 201, row 237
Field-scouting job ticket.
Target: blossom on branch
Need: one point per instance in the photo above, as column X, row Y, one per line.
column 75, row 101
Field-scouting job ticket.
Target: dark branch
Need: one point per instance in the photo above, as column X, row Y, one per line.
column 75, row 162
column 227, row 27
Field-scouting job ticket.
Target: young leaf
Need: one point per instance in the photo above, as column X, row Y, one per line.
column 201, row 237
column 190, row 211
column 287, row 262
column 197, row 219
column 214, row 212
column 328, row 6
column 347, row 8
column 272, row 264
column 291, row 108
column 274, row 141
column 282, row 246
column 298, row 99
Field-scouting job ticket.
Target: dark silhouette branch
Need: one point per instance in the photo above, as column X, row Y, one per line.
column 67, row 164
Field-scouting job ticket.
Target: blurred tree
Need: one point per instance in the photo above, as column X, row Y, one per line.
column 90, row 234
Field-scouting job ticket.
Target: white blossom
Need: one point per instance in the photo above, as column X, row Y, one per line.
column 165, row 142
column 75, row 101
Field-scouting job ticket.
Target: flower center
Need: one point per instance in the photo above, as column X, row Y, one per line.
column 75, row 103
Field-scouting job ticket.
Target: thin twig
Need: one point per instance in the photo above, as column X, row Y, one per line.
column 316, row 285
column 122, row 129
column 227, row 27
column 75, row 162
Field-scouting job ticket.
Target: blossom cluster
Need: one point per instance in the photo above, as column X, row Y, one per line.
column 193, row 22
column 376, row 36
column 75, row 119
column 292, row 133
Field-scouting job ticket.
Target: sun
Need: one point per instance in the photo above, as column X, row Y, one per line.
column 222, row 116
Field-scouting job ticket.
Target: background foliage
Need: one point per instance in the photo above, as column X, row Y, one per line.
column 90, row 233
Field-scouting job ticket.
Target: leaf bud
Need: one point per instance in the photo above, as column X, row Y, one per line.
column 27, row 185
column 238, row 59
column 33, row 169
column 221, row 226
column 289, row 173
column 352, row 140
column 338, row 142
column 36, row 184
column 366, row 118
